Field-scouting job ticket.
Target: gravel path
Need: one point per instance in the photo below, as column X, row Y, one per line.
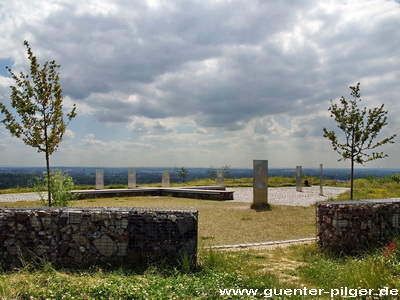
column 289, row 195
column 278, row 196
column 19, row 197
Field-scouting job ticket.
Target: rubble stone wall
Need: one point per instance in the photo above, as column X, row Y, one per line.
column 350, row 226
column 87, row 236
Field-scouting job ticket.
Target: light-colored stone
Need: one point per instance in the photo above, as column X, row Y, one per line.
column 395, row 221
column 99, row 179
column 122, row 247
column 35, row 222
column 105, row 245
column 299, row 175
column 321, row 180
column 46, row 221
column 165, row 178
column 260, row 183
column 220, row 178
column 131, row 179
column 340, row 223
column 124, row 223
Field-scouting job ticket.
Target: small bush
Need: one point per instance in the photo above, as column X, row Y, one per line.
column 61, row 186
column 394, row 178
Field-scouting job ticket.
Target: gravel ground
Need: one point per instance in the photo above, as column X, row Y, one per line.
column 19, row 197
column 289, row 195
column 279, row 196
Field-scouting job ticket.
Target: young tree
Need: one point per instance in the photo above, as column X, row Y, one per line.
column 360, row 128
column 183, row 173
column 37, row 99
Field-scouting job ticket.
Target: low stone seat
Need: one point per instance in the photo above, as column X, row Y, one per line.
column 206, row 193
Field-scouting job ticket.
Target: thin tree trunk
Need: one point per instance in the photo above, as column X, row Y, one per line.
column 352, row 179
column 48, row 178
column 352, row 161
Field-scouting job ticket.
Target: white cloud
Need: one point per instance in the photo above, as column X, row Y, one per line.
column 254, row 77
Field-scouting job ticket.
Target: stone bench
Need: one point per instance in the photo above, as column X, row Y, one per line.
column 205, row 193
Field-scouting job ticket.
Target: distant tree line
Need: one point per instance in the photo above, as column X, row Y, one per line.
column 9, row 180
column 14, row 180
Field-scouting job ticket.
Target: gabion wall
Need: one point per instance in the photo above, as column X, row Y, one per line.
column 350, row 226
column 87, row 236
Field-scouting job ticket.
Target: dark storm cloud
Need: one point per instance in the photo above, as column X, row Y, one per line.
column 222, row 63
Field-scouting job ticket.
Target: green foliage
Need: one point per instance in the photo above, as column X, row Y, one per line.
column 37, row 99
column 212, row 172
column 360, row 128
column 61, row 187
column 394, row 178
column 182, row 173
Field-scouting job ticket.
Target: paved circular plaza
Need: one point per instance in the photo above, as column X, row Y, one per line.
column 277, row 196
column 289, row 195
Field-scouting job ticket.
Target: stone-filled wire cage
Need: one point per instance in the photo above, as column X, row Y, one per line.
column 87, row 236
column 353, row 226
column 162, row 233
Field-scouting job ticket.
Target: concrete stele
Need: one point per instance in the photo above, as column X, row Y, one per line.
column 321, row 180
column 165, row 178
column 299, row 176
column 131, row 179
column 220, row 178
column 99, row 179
column 260, row 183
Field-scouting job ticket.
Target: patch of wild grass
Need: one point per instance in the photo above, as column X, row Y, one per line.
column 22, row 204
column 16, row 190
column 374, row 188
column 281, row 268
column 215, row 271
column 371, row 270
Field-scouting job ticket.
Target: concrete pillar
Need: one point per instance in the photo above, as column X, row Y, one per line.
column 321, row 180
column 131, row 179
column 220, row 178
column 99, row 179
column 165, row 178
column 299, row 178
column 260, row 184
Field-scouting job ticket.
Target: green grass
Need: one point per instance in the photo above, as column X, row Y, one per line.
column 16, row 190
column 215, row 271
column 373, row 270
column 373, row 188
column 293, row 267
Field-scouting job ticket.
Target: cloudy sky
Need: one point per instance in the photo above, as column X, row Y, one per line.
column 207, row 82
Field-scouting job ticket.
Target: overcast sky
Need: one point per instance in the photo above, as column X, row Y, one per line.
column 204, row 83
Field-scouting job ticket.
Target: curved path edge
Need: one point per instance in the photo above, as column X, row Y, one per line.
column 264, row 244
